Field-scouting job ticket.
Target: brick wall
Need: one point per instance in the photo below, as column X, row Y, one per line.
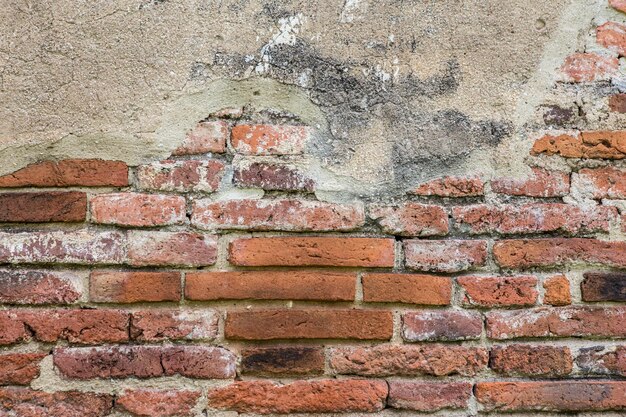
column 173, row 289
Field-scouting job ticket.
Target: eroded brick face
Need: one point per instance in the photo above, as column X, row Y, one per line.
column 227, row 279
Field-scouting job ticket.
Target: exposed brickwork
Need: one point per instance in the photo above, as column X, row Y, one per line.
column 588, row 67
column 231, row 278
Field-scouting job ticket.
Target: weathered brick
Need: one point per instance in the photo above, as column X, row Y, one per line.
column 312, row 251
column 325, row 396
column 26, row 286
column 77, row 247
column 441, row 325
column 499, row 291
column 19, row 368
column 411, row 219
column 451, row 187
column 105, row 362
column 69, row 173
column 138, row 210
column 203, row 138
column 552, row 396
column 445, row 255
column 409, row 360
column 600, row 183
column 52, row 206
column 618, row 5
column 612, row 35
column 588, row 67
column 269, row 139
column 558, row 251
column 599, row 145
column 85, row 326
column 600, row 286
column 557, row 291
column 601, row 360
column 533, row 218
column 617, row 103
column 407, row 288
column 428, row 396
column 134, row 287
column 270, row 285
column 557, row 322
column 13, row 329
column 531, row 360
column 181, row 176
column 272, row 176
column 24, row 402
column 309, row 324
column 152, row 403
column 287, row 215
column 171, row 248
column 282, row 360
column 173, row 324
column 540, row 183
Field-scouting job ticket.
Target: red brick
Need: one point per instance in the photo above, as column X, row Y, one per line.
column 312, row 251
column 205, row 362
column 533, row 218
column 540, row 183
column 171, row 248
column 552, row 396
column 603, row 360
column 309, row 324
column 618, row 5
column 25, row 286
column 409, row 360
column 428, row 396
column 269, row 139
column 282, row 360
column 181, row 176
column 612, row 35
column 557, row 252
column 587, row 67
column 76, row 326
column 557, row 322
column 557, row 291
column 601, row 145
column 445, row 255
column 134, row 287
column 451, row 187
column 138, row 210
column 531, row 360
column 599, row 183
column 151, row 403
column 204, row 138
column 272, row 176
column 85, row 247
column 499, row 291
column 270, row 285
column 24, row 402
column 441, row 325
column 407, row 288
column 617, row 103
column 69, row 173
column 13, row 329
column 287, row 215
column 173, row 324
column 325, row 396
column 599, row 286
column 411, row 219
column 19, row 368
column 43, row 207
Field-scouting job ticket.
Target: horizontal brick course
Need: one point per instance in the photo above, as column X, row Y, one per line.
column 137, row 210
column 69, row 173
column 445, row 255
column 407, row 288
column 133, row 287
column 53, row 206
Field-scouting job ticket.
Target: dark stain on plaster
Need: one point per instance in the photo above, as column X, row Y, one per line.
column 425, row 142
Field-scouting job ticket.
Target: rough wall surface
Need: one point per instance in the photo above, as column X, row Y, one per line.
column 219, row 208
